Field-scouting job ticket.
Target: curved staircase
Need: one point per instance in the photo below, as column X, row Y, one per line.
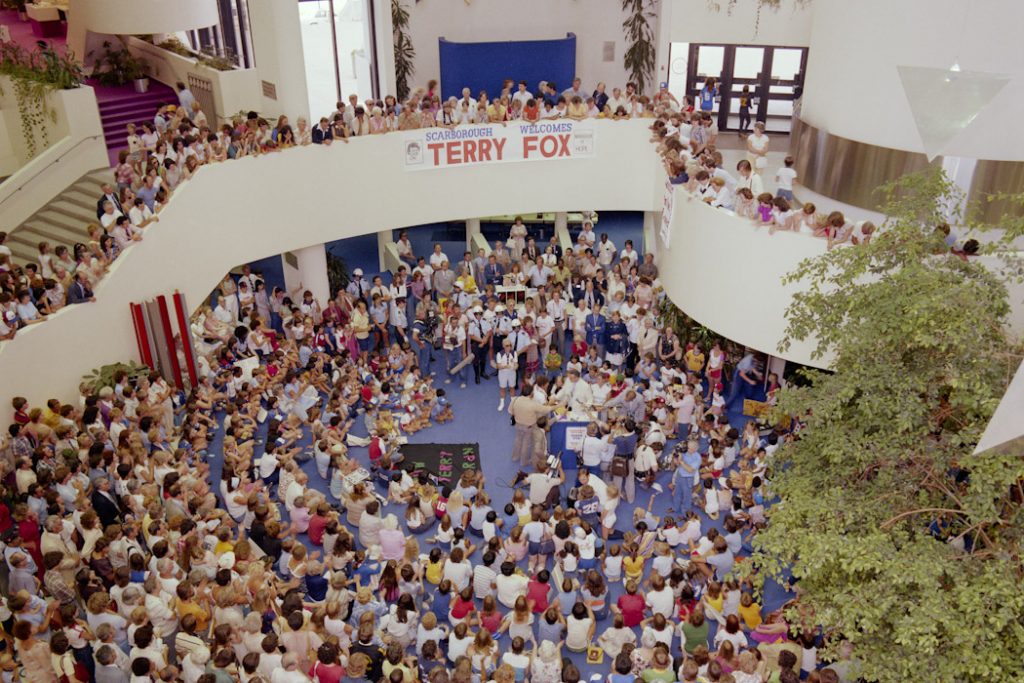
column 62, row 221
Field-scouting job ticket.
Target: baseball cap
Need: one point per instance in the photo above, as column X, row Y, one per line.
column 358, row 272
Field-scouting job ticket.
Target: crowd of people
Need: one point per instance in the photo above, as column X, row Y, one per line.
column 170, row 149
column 261, row 527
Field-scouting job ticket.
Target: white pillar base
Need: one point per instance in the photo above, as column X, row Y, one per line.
column 307, row 269
column 562, row 230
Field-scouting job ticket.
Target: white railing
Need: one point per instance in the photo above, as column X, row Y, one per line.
column 77, row 146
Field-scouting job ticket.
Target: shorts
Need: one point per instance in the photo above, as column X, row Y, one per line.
column 533, row 548
column 365, row 344
column 785, row 194
column 506, row 379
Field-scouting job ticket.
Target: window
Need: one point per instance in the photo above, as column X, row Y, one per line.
column 337, row 43
column 773, row 76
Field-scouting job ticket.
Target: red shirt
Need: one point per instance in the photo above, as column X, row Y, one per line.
column 632, row 608
column 538, row 592
column 327, row 673
column 461, row 608
column 317, row 524
column 375, row 449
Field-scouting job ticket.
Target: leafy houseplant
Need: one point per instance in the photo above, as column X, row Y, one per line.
column 174, row 45
column 639, row 56
column 103, row 376
column 337, row 273
column 901, row 536
column 405, row 53
column 36, row 73
column 120, row 67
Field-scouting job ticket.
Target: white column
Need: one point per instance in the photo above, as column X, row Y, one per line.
column 277, row 44
column 651, row 219
column 384, row 239
column 472, row 231
column 385, row 39
column 307, row 269
column 961, row 171
column 562, row 230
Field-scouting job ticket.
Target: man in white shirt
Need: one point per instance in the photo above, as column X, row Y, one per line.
column 605, row 251
column 575, row 393
column 425, row 271
column 617, row 100
column 510, row 585
column 522, row 95
column 404, row 247
column 575, row 91
column 109, row 216
column 438, row 257
column 539, row 273
column 467, row 100
column 587, row 237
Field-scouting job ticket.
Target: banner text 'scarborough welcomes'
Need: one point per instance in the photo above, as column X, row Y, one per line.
column 433, row 148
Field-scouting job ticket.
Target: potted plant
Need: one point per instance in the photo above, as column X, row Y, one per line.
column 120, row 67
column 139, row 71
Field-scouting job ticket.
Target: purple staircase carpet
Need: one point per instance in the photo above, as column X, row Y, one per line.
column 121, row 106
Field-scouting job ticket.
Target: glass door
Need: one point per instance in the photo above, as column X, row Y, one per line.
column 770, row 79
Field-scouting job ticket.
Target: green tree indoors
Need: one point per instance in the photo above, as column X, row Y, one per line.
column 880, row 494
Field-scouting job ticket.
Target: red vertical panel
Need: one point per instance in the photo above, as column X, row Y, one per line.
column 186, row 339
column 142, row 336
column 172, row 351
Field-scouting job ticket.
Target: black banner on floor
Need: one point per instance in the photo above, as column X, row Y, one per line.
column 442, row 462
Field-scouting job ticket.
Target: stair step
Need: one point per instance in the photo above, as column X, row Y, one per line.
column 54, row 234
column 99, row 176
column 74, row 211
column 59, row 220
column 130, row 108
column 121, row 120
column 79, row 199
column 34, row 233
column 88, row 188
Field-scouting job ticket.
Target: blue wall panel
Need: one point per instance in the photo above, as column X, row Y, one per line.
column 484, row 66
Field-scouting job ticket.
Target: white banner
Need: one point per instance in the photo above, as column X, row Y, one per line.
column 668, row 207
column 433, row 148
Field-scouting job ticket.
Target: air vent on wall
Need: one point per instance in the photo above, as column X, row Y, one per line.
column 609, row 51
column 269, row 90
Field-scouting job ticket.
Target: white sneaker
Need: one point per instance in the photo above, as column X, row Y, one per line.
column 447, row 381
column 501, row 405
column 462, row 386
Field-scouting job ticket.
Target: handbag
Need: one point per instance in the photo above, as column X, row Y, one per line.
column 619, row 467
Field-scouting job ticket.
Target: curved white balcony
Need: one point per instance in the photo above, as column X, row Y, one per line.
column 726, row 273
column 722, row 270
column 244, row 210
column 134, row 17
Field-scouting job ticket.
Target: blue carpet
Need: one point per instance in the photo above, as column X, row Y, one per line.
column 478, row 421
column 476, row 417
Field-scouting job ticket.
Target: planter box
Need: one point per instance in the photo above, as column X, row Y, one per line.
column 233, row 91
